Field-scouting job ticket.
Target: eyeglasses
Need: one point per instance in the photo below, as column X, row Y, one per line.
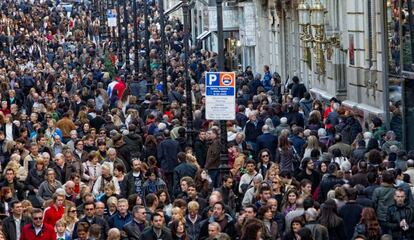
column 37, row 218
column 89, row 209
column 72, row 211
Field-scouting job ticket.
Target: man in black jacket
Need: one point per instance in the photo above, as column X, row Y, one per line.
column 90, row 219
column 167, row 152
column 400, row 217
column 200, row 148
column 329, row 182
column 184, row 169
column 134, row 180
column 9, row 224
column 11, row 182
column 157, row 231
column 219, row 216
column 134, row 228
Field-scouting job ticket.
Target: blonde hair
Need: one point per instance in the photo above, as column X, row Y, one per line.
column 313, row 143
column 193, row 205
column 179, row 211
column 192, row 160
column 114, row 234
column 112, row 201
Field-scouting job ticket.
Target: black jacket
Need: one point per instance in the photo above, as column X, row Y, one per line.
column 327, row 184
column 395, row 215
column 134, row 143
column 200, row 151
column 229, row 228
column 351, row 214
column 149, row 234
column 96, row 220
column 167, row 152
column 18, row 188
column 9, row 227
column 182, row 170
column 132, row 230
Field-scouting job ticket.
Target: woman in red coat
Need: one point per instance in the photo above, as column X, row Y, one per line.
column 38, row 230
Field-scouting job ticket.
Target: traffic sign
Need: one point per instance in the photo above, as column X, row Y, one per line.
column 111, row 14
column 220, row 96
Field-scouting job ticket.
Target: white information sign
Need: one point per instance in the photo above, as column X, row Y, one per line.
column 111, row 14
column 220, row 96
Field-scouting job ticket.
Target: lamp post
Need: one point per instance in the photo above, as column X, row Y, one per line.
column 125, row 23
column 188, row 87
column 136, row 50
column 118, row 23
column 305, row 36
column 224, row 167
column 147, row 47
column 163, row 53
column 317, row 22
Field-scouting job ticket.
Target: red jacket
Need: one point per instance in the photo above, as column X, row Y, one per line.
column 52, row 215
column 47, row 233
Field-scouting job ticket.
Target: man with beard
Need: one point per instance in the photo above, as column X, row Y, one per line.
column 400, row 217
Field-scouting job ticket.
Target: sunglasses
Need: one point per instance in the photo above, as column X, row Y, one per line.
column 72, row 211
column 38, row 218
column 265, row 155
column 89, row 209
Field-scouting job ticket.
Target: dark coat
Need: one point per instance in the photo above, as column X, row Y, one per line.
column 267, row 140
column 134, row 143
column 252, row 131
column 96, row 220
column 9, row 227
column 124, row 153
column 229, row 228
column 395, row 214
column 130, row 185
column 351, row 214
column 18, row 188
column 213, row 155
column 149, row 234
column 200, row 151
column 182, row 170
column 132, row 230
column 167, row 152
column 193, row 229
column 327, row 184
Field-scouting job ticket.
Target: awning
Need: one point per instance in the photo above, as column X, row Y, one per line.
column 203, row 35
column 173, row 8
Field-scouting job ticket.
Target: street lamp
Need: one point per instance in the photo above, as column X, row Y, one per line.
column 147, row 47
column 118, row 23
column 126, row 21
column 224, row 167
column 163, row 54
column 189, row 102
column 136, row 51
column 305, row 36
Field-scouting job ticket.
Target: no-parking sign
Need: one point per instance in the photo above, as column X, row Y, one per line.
column 220, row 96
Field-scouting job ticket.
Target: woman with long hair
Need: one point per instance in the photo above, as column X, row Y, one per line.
column 285, row 154
column 368, row 225
column 313, row 144
column 252, row 230
column 330, row 219
column 178, row 231
column 203, row 183
column 289, row 201
column 271, row 230
column 150, row 147
column 70, row 217
column 164, row 201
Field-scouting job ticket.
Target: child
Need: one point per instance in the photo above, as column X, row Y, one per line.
column 61, row 232
column 95, row 232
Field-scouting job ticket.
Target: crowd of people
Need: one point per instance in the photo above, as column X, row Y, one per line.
column 90, row 151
